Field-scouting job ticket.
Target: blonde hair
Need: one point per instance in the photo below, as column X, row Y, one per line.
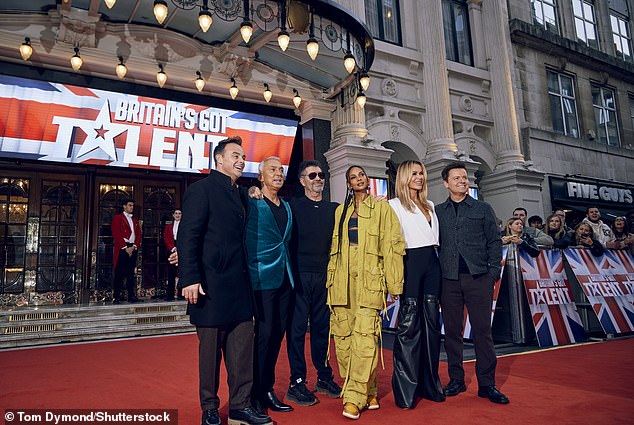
column 403, row 177
column 509, row 222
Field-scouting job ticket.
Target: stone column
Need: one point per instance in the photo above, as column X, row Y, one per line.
column 351, row 146
column 507, row 190
column 477, row 33
column 513, row 182
column 505, row 132
column 438, row 124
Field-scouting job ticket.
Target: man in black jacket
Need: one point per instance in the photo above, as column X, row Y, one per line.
column 470, row 259
column 215, row 282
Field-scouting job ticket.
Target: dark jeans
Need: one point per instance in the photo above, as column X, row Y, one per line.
column 125, row 269
column 477, row 295
column 272, row 310
column 309, row 304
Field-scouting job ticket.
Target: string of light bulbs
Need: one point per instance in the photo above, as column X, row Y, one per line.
column 205, row 20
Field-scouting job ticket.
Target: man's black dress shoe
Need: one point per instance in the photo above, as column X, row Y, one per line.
column 248, row 415
column 455, row 387
column 210, row 417
column 492, row 394
column 272, row 402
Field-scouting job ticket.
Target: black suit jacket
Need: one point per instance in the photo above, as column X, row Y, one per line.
column 211, row 252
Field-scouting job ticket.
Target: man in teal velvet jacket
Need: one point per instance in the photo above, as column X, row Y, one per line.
column 267, row 239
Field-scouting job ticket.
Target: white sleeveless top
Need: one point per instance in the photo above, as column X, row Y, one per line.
column 416, row 230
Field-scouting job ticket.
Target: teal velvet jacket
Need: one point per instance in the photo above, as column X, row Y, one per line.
column 268, row 254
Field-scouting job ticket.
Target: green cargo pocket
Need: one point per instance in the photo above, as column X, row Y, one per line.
column 372, row 242
column 364, row 346
column 374, row 279
column 339, row 325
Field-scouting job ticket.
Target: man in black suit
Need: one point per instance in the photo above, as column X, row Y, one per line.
column 214, row 281
column 470, row 260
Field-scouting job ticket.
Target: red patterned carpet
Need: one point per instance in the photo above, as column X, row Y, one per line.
column 583, row 384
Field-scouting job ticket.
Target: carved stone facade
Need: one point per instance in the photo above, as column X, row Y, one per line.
column 495, row 114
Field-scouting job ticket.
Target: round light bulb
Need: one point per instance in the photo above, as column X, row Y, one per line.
column 361, row 99
column 283, row 39
column 121, row 70
column 233, row 90
column 160, row 10
column 268, row 94
column 364, row 80
column 246, row 30
column 26, row 50
column 204, row 20
column 312, row 47
column 200, row 83
column 76, row 61
column 297, row 99
column 161, row 77
column 349, row 63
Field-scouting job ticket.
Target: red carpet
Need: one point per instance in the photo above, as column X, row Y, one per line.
column 584, row 384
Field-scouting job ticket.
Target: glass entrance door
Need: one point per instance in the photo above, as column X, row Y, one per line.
column 14, row 208
column 41, row 238
column 60, row 259
column 154, row 203
column 159, row 202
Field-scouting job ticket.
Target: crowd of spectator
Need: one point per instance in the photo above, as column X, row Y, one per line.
column 591, row 232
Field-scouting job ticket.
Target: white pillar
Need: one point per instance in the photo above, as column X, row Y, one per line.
column 350, row 146
column 505, row 131
column 438, row 125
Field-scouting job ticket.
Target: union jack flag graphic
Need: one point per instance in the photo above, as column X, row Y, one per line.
column 608, row 282
column 390, row 314
column 554, row 312
column 64, row 123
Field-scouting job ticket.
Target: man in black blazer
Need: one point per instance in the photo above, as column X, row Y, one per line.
column 214, row 280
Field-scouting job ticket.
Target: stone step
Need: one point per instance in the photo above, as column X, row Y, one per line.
column 24, row 327
column 58, row 312
column 93, row 334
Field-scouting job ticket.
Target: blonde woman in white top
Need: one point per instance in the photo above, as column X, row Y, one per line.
column 417, row 344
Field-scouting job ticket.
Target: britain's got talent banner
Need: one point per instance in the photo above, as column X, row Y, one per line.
column 553, row 310
column 64, row 123
column 608, row 282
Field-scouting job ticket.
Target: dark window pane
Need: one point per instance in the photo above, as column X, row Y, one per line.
column 555, row 110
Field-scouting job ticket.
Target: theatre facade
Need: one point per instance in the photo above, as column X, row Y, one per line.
column 99, row 105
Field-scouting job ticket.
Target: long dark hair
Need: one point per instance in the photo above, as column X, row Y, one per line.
column 347, row 201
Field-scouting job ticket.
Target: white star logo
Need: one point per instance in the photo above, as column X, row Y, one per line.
column 100, row 133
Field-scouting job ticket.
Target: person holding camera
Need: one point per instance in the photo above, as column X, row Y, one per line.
column 583, row 237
